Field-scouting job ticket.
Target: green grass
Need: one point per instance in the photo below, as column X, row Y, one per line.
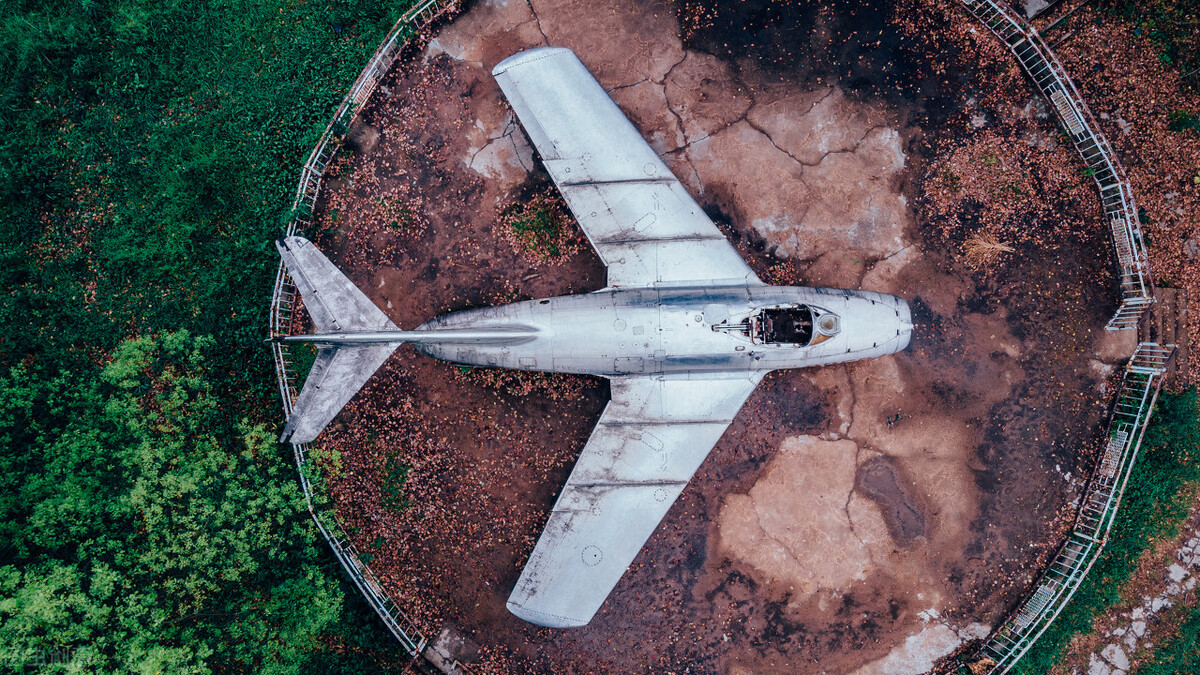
column 1155, row 505
column 539, row 230
column 391, row 484
column 1180, row 653
column 541, row 225
column 302, row 356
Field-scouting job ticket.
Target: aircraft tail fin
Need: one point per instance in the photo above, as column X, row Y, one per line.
column 336, row 305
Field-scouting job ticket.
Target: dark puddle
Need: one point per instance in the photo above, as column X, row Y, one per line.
column 879, row 481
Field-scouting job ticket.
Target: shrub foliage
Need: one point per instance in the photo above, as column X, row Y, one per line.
column 148, row 155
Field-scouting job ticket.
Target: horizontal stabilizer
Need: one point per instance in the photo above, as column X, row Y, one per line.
column 336, row 306
column 333, row 301
column 336, row 376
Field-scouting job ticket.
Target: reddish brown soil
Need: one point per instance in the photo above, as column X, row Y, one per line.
column 491, row 450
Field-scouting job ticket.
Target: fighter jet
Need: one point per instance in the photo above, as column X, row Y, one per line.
column 684, row 331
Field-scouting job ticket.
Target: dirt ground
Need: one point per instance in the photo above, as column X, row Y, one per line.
column 864, row 518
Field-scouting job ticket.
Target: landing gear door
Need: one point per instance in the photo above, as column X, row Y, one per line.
column 628, row 365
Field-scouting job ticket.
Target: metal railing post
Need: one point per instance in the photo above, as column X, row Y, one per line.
column 284, row 298
column 1116, row 194
column 1142, row 378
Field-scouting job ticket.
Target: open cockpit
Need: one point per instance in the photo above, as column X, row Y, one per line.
column 795, row 325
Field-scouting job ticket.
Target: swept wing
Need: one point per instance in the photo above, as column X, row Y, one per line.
column 651, row 438
column 645, row 226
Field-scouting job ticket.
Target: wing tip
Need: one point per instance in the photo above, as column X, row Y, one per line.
column 544, row 619
column 527, row 56
column 291, row 243
column 292, row 434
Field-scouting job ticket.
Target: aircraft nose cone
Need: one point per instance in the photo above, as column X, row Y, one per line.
column 904, row 317
column 881, row 324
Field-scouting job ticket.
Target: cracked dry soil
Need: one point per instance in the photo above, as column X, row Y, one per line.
column 847, row 507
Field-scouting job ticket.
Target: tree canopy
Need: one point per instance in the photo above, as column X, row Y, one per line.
column 141, row 521
column 148, row 155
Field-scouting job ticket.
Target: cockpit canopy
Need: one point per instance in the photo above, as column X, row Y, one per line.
column 796, row 325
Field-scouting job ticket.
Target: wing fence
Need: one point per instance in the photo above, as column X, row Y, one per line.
column 283, row 305
column 1120, row 209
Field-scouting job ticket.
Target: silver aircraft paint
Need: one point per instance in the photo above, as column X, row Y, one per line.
column 684, row 330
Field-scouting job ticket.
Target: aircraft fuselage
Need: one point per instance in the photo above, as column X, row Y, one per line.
column 626, row 332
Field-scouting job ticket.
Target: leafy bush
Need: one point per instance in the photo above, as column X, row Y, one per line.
column 1173, row 26
column 145, row 166
column 135, row 520
column 148, row 156
column 391, row 484
column 541, row 227
column 1184, row 120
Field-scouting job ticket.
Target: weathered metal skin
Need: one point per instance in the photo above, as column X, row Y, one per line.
column 685, row 331
column 669, row 331
column 680, row 367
